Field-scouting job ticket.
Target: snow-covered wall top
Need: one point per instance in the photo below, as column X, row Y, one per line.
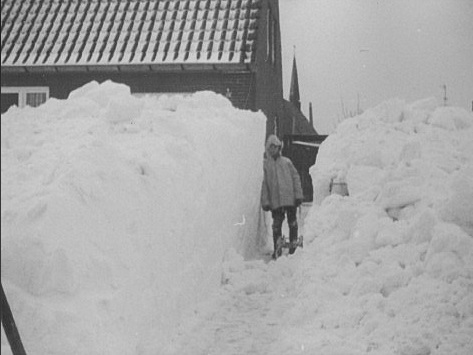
column 117, row 212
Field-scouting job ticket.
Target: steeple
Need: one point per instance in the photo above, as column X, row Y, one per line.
column 294, row 96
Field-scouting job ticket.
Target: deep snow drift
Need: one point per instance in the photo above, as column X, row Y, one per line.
column 391, row 266
column 117, row 212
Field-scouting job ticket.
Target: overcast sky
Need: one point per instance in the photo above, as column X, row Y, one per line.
column 363, row 52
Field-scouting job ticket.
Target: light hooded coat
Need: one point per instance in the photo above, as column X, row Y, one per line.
column 281, row 184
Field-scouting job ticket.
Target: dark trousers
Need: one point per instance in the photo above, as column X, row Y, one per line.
column 278, row 218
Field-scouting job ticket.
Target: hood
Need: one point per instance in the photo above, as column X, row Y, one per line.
column 272, row 139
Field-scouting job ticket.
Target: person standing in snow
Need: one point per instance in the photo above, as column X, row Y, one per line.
column 281, row 192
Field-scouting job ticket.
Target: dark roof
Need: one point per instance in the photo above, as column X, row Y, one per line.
column 127, row 32
column 299, row 123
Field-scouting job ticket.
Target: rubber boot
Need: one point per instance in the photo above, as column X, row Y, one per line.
column 277, row 239
column 293, row 237
column 277, row 234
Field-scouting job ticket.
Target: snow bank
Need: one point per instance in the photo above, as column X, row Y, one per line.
column 117, row 211
column 390, row 267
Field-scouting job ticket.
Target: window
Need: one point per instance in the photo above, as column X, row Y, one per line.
column 23, row 96
column 35, row 99
column 9, row 100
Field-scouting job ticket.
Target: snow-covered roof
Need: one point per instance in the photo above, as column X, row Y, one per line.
column 307, row 144
column 132, row 32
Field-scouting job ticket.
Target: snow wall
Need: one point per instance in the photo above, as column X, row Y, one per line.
column 117, row 212
column 390, row 266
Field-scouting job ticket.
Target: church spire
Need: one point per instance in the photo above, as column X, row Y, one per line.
column 294, row 96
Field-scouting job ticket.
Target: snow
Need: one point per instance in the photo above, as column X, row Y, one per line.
column 117, row 212
column 391, row 265
column 133, row 226
column 386, row 270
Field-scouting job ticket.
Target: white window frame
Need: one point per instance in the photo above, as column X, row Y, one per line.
column 269, row 19
column 274, row 25
column 22, row 91
column 271, row 31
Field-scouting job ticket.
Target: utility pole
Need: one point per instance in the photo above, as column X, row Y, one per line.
column 311, row 115
column 444, row 94
column 358, row 108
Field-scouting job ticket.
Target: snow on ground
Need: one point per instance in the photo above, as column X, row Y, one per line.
column 386, row 270
column 117, row 212
column 127, row 228
column 395, row 258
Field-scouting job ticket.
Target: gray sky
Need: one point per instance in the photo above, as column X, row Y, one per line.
column 376, row 50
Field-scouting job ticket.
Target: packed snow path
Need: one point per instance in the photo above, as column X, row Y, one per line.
column 247, row 315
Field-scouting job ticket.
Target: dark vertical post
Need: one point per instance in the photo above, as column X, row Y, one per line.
column 311, row 115
column 444, row 94
column 10, row 328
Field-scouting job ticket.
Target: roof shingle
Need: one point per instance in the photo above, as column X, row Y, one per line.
column 131, row 32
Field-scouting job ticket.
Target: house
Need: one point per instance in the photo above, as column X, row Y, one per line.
column 232, row 47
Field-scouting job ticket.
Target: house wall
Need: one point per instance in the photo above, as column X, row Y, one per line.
column 62, row 83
